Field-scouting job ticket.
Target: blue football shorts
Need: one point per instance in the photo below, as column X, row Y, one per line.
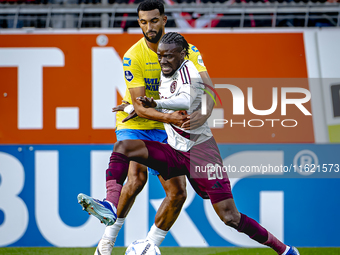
column 157, row 135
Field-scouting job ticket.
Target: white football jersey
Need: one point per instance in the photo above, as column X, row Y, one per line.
column 183, row 91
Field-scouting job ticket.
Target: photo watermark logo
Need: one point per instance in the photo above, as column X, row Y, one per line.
column 238, row 99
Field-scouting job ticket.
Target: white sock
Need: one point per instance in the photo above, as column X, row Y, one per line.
column 156, row 235
column 287, row 249
column 111, row 232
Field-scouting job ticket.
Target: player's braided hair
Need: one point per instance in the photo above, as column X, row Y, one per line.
column 149, row 5
column 176, row 38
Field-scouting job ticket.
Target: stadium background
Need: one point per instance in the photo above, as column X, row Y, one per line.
column 57, row 132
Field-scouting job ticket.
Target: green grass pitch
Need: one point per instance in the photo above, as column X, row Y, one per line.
column 166, row 251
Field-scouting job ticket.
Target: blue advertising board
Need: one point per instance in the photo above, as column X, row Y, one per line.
column 39, row 186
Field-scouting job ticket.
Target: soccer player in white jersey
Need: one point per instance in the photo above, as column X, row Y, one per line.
column 142, row 74
column 181, row 89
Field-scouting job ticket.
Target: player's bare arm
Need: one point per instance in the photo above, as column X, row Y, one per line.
column 196, row 119
column 149, row 113
column 147, row 102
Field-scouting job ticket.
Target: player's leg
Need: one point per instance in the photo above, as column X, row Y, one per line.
column 137, row 177
column 116, row 174
column 216, row 184
column 137, row 172
column 123, row 152
column 228, row 213
column 176, row 194
column 175, row 189
column 153, row 154
column 167, row 213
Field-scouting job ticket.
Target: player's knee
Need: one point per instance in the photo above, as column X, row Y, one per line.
column 231, row 218
column 122, row 147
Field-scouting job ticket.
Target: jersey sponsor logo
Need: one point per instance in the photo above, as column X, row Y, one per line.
column 173, row 86
column 152, row 63
column 152, row 87
column 152, row 84
column 200, row 60
column 126, row 62
column 194, row 49
column 128, row 76
column 152, row 81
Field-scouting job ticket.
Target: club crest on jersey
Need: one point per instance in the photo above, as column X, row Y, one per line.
column 194, row 49
column 128, row 76
column 126, row 62
column 173, row 86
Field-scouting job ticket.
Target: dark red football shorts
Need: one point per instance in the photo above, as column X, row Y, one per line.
column 196, row 164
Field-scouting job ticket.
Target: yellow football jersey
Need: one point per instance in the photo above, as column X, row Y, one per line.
column 141, row 69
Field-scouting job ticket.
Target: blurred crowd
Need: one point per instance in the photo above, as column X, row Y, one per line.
column 137, row 1
column 185, row 20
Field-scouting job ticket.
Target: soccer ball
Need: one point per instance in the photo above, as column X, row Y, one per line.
column 142, row 247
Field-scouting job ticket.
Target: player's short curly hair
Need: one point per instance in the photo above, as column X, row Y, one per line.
column 176, row 38
column 149, row 5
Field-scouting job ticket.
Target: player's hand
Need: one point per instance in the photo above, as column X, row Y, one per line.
column 147, row 102
column 121, row 107
column 178, row 118
column 195, row 120
column 132, row 115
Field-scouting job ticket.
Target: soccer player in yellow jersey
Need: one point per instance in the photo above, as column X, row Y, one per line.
column 142, row 72
column 142, row 75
